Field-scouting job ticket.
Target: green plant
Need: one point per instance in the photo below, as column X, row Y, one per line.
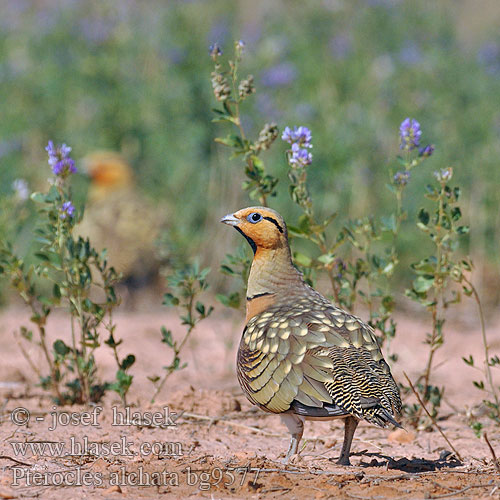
column 432, row 288
column 361, row 258
column 231, row 91
column 67, row 272
column 492, row 400
column 186, row 285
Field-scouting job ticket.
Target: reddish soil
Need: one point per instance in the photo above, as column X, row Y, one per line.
column 228, row 449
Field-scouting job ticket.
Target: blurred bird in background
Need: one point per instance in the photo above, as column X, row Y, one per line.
column 117, row 218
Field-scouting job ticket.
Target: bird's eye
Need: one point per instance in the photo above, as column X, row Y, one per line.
column 254, row 218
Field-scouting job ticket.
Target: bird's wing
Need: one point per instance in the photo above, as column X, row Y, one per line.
column 316, row 361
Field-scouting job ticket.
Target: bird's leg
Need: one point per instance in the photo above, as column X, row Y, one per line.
column 350, row 424
column 295, row 425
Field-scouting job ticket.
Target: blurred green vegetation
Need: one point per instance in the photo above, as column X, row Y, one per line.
column 134, row 77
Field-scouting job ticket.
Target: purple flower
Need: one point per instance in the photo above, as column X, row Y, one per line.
column 301, row 134
column 300, row 155
column 63, row 167
column 300, row 139
column 67, row 210
column 288, row 135
column 304, row 136
column 401, row 178
column 426, row 151
column 444, row 175
column 409, row 132
column 61, row 163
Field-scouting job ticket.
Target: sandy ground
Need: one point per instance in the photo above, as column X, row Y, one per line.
column 214, row 444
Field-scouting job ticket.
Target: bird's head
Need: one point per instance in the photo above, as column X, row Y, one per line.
column 107, row 171
column 263, row 227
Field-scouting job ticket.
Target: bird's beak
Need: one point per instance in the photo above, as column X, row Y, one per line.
column 230, row 219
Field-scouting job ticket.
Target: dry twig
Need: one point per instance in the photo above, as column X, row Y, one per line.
column 436, row 425
column 6, row 457
column 458, row 492
column 492, row 451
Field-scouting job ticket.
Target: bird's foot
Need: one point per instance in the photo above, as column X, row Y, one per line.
column 343, row 461
column 290, row 459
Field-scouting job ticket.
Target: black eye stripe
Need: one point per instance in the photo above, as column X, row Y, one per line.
column 275, row 222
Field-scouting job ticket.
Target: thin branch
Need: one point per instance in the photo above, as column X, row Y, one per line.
column 489, row 377
column 492, row 451
column 6, row 457
column 25, row 355
column 422, row 404
column 169, row 370
column 458, row 492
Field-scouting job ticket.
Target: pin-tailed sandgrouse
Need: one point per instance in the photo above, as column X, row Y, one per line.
column 301, row 356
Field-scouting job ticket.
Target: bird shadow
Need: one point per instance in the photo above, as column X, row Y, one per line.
column 446, row 460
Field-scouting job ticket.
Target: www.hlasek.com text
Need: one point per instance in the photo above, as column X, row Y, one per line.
column 85, row 447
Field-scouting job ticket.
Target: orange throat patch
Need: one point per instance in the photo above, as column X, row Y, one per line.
column 258, row 304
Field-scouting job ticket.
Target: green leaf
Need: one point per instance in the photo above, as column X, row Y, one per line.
column 42, row 256
column 425, row 266
column 469, row 360
column 122, row 384
column 127, row 362
column 170, row 300
column 479, row 385
column 167, row 336
column 401, row 161
column 231, row 300
column 27, row 334
column 302, row 259
column 52, row 195
column 326, row 258
column 389, row 223
column 61, row 348
column 423, row 283
column 329, row 220
column 231, row 140
column 423, row 216
column 456, row 213
column 297, row 232
column 38, row 197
